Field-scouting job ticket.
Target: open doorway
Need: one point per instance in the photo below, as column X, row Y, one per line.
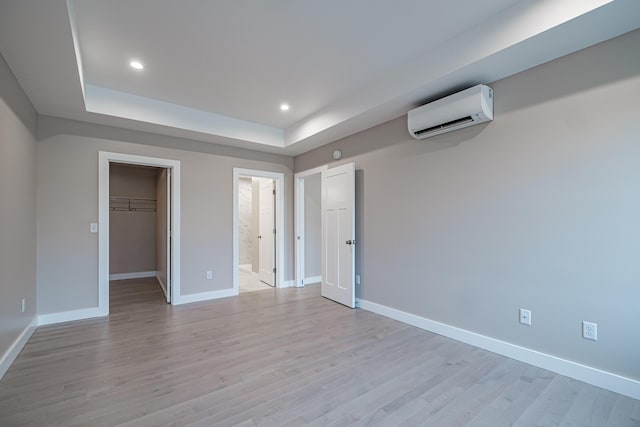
column 256, row 239
column 258, row 221
column 138, row 223
column 139, row 232
column 308, row 192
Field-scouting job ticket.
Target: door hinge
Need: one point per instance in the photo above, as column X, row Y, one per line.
column 274, row 231
column 274, row 270
column 274, row 192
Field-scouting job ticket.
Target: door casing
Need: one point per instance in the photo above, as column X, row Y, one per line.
column 104, row 159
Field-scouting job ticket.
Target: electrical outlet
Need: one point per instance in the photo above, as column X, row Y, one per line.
column 525, row 316
column 209, row 275
column 24, row 305
column 590, row 331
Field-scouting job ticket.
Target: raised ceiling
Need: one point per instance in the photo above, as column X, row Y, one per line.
column 218, row 71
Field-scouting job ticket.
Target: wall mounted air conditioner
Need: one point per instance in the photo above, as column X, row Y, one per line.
column 466, row 108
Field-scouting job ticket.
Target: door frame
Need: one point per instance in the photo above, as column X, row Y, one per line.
column 104, row 159
column 278, row 177
column 300, row 220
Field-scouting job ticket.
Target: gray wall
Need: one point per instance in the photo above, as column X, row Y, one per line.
column 161, row 226
column 539, row 209
column 17, row 208
column 68, row 175
column 312, row 226
column 132, row 234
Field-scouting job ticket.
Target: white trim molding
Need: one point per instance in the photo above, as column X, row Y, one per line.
column 288, row 284
column 104, row 159
column 93, row 312
column 280, row 225
column 205, row 296
column 137, row 275
column 14, row 350
column 312, row 280
column 587, row 374
column 69, row 316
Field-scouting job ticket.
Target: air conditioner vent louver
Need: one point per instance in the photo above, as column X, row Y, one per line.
column 445, row 125
column 466, row 108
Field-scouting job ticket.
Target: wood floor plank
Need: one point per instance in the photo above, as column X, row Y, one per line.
column 592, row 406
column 278, row 357
column 622, row 413
column 506, row 408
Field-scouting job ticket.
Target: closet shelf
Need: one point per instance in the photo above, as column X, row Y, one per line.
column 132, row 204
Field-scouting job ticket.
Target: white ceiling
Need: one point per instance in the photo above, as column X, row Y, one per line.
column 217, row 71
column 243, row 58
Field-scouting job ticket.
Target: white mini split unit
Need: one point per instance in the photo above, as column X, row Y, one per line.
column 467, row 108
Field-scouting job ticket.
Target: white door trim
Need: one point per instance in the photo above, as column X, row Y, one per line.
column 104, row 158
column 168, row 287
column 280, row 229
column 299, row 221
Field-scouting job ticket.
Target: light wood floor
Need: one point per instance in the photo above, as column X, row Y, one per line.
column 279, row 357
column 249, row 281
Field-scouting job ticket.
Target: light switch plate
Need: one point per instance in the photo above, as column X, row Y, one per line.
column 93, row 227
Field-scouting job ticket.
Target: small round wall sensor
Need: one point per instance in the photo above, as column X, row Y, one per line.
column 337, row 155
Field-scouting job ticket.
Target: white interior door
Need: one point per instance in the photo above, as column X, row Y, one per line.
column 338, row 234
column 300, row 257
column 266, row 236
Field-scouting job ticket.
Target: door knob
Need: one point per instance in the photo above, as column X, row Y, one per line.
column 351, row 242
column 259, row 237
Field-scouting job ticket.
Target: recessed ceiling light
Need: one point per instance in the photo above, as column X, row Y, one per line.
column 136, row 65
column 284, row 107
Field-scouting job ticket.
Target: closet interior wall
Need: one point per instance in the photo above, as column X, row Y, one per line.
column 132, row 219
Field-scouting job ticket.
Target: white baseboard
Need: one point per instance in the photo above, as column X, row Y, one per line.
column 587, row 374
column 68, row 316
column 162, row 285
column 136, row 275
column 204, row 296
column 288, row 284
column 12, row 352
column 312, row 280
